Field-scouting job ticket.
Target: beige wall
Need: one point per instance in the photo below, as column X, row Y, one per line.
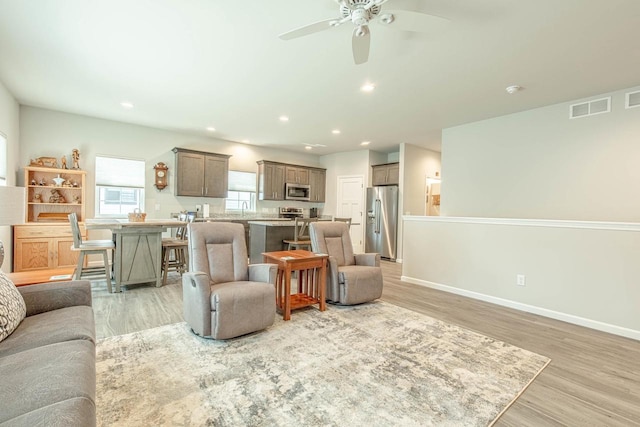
column 416, row 165
column 541, row 164
column 9, row 127
column 574, row 273
column 53, row 133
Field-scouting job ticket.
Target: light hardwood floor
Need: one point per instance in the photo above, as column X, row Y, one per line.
column 593, row 378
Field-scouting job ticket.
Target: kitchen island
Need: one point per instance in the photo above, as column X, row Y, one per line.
column 138, row 254
column 267, row 236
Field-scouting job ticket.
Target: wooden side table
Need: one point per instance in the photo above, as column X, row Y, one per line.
column 23, row 278
column 312, row 275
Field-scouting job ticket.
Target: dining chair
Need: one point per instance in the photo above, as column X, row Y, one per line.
column 347, row 220
column 301, row 238
column 88, row 247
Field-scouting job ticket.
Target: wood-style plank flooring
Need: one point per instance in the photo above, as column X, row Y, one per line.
column 593, row 378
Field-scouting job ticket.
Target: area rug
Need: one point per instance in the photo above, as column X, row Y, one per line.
column 371, row 365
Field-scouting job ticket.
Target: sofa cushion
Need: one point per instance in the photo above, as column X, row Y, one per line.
column 12, row 307
column 75, row 412
column 65, row 324
column 47, row 375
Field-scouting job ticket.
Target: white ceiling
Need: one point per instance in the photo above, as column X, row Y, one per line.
column 189, row 64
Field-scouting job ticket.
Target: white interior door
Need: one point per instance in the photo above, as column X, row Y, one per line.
column 350, row 205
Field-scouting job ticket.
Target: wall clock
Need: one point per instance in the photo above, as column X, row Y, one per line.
column 160, row 175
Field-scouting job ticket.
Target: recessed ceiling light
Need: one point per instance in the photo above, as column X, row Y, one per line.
column 513, row 89
column 335, row 131
column 308, row 147
column 368, row 87
column 126, row 105
column 211, row 129
column 284, row 118
column 365, row 143
column 246, row 141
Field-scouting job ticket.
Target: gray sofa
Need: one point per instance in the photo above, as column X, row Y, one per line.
column 47, row 365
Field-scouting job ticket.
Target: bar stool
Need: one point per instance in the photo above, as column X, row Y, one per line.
column 301, row 238
column 347, row 220
column 89, row 247
column 178, row 247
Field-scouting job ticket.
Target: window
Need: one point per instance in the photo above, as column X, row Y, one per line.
column 3, row 160
column 242, row 192
column 119, row 186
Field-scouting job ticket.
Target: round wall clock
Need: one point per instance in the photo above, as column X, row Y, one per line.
column 160, row 175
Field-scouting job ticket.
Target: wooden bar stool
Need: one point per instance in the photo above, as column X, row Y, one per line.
column 301, row 238
column 89, row 247
column 175, row 250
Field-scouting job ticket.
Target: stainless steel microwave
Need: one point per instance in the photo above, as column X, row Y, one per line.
column 297, row 192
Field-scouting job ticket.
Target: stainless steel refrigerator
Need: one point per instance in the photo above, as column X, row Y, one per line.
column 382, row 221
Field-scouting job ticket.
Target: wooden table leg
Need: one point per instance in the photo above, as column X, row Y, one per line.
column 322, row 286
column 287, row 293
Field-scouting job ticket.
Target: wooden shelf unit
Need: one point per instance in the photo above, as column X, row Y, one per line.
column 45, row 240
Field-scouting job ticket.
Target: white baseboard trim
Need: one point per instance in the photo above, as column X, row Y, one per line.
column 569, row 318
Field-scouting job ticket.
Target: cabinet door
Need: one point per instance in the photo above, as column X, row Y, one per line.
column 189, row 175
column 277, row 183
column 65, row 256
column 393, row 173
column 317, row 181
column 33, row 254
column 379, row 175
column 303, row 176
column 215, row 176
column 291, row 174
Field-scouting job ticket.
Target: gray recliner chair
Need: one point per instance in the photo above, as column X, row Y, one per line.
column 351, row 279
column 223, row 296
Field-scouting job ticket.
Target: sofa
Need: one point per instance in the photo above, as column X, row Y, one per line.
column 47, row 363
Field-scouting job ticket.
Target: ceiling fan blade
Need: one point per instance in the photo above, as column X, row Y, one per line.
column 407, row 20
column 361, row 40
column 309, row 29
column 374, row 3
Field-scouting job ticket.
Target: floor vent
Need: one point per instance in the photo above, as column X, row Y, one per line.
column 590, row 108
column 633, row 99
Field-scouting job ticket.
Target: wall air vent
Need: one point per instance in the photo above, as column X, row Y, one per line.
column 590, row 108
column 633, row 100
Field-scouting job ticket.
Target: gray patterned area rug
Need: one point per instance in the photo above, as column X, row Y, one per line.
column 371, row 365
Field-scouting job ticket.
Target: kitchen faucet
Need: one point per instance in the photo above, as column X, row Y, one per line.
column 244, row 206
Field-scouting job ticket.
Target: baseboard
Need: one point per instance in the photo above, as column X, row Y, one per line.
column 569, row 318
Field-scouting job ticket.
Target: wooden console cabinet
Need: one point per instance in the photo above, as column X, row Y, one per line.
column 45, row 240
column 43, row 246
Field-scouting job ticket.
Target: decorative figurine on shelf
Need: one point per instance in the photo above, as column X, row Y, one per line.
column 76, row 199
column 63, row 162
column 74, row 184
column 47, row 162
column 67, row 183
column 58, row 180
column 41, row 181
column 33, row 182
column 37, row 198
column 75, row 155
column 56, row 197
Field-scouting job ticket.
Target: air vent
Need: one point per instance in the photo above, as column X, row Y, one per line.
column 633, row 99
column 590, row 108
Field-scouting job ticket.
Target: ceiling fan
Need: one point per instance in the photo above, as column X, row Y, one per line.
column 362, row 12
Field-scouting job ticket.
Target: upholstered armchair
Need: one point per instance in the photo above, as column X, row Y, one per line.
column 351, row 279
column 223, row 296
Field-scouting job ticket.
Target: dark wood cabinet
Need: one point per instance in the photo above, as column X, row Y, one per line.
column 386, row 174
column 201, row 174
column 297, row 175
column 317, row 180
column 271, row 179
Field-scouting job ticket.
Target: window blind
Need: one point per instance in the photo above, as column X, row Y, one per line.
column 118, row 172
column 242, row 181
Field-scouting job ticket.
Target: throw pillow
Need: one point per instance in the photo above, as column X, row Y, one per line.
column 12, row 306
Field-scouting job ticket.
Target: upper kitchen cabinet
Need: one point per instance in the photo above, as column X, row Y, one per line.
column 317, row 180
column 201, row 174
column 386, row 174
column 271, row 178
column 297, row 175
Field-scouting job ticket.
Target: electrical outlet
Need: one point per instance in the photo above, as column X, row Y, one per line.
column 520, row 280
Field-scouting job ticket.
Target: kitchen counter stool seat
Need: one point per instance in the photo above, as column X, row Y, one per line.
column 88, row 247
